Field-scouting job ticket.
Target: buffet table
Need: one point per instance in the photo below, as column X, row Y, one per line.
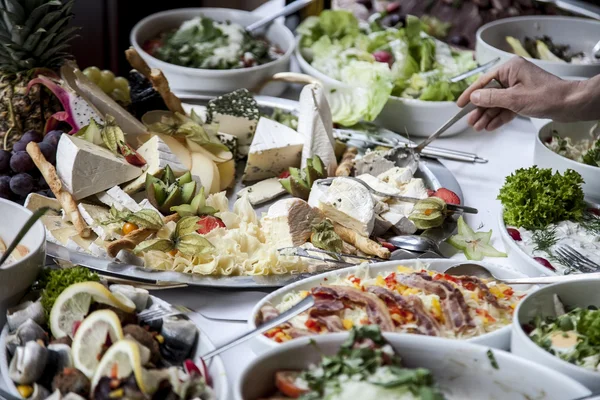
column 507, row 149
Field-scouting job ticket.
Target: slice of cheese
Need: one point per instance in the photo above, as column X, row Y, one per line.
column 86, row 169
column 399, row 222
column 263, row 191
column 380, row 186
column 349, row 204
column 94, row 216
column 53, row 222
column 318, row 193
column 396, row 176
column 289, row 222
column 77, row 243
column 35, row 201
column 203, row 172
column 315, row 123
column 117, row 198
column 275, row 148
column 146, row 205
column 159, row 152
column 227, row 174
column 61, row 236
column 98, row 248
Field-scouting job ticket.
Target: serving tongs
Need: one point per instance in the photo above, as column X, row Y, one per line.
column 336, row 258
column 451, row 207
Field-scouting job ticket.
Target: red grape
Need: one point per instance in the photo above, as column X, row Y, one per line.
column 21, row 162
column 22, row 184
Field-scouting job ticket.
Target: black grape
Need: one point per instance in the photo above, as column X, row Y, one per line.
column 21, row 162
column 53, row 137
column 4, row 161
column 22, row 184
column 5, row 192
column 19, row 145
column 49, row 152
column 31, row 136
column 42, row 184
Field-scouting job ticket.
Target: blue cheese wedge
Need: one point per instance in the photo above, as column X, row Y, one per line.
column 275, row 148
column 263, row 191
column 349, row 204
column 86, row 169
column 95, row 216
column 35, row 201
column 237, row 114
column 158, row 154
column 315, row 123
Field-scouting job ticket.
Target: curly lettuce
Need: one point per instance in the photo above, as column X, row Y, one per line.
column 534, row 198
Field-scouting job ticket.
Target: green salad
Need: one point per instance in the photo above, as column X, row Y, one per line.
column 378, row 62
column 573, row 336
column 366, row 367
column 204, row 43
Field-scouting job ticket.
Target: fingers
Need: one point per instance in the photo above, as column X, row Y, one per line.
column 490, row 118
column 501, row 119
column 474, row 116
column 493, row 98
column 483, row 80
column 487, row 116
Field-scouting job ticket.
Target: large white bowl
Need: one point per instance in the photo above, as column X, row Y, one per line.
column 415, row 117
column 16, row 278
column 462, row 370
column 215, row 365
column 499, row 339
column 580, row 33
column 540, row 303
column 543, row 157
column 212, row 81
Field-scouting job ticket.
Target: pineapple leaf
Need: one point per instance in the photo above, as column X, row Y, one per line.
column 33, row 40
column 49, row 19
column 43, row 45
column 16, row 9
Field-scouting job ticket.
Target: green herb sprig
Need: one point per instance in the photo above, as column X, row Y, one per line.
column 52, row 282
column 544, row 239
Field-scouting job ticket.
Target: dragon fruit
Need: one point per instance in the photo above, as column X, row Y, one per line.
column 77, row 112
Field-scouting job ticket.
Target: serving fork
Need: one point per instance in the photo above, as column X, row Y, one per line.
column 571, row 257
column 163, row 311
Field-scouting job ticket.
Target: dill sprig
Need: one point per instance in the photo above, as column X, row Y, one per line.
column 591, row 223
column 544, row 239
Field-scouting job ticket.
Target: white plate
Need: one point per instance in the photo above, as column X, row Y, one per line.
column 499, row 339
column 462, row 370
column 414, row 117
column 216, row 368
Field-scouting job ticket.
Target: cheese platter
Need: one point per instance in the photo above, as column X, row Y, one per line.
column 209, row 196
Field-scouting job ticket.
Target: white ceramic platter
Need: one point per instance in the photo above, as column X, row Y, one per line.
column 216, row 368
column 499, row 339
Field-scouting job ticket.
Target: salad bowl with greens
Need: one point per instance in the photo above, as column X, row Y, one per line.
column 207, row 50
column 398, row 75
column 559, row 326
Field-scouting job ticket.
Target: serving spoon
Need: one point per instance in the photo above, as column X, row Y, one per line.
column 480, row 271
column 284, row 12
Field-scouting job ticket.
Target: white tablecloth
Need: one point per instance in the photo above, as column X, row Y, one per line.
column 507, row 149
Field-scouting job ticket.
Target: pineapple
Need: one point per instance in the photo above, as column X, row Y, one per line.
column 34, row 36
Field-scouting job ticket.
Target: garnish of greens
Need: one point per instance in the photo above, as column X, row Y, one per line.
column 475, row 245
column 146, row 219
column 374, row 63
column 492, row 358
column 183, row 239
column 586, row 151
column 573, row 337
column 323, row 237
column 591, row 223
column 367, row 360
column 534, row 198
column 544, row 239
column 207, row 44
column 52, row 282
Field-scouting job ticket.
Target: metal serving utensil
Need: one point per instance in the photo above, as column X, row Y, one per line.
column 336, row 258
column 480, row 271
column 28, row 225
column 475, row 71
column 494, row 84
column 451, row 207
column 575, row 7
column 284, row 12
column 420, row 244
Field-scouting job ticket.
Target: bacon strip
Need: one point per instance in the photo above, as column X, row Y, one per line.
column 377, row 311
column 427, row 324
column 268, row 312
column 489, row 297
column 454, row 306
column 333, row 323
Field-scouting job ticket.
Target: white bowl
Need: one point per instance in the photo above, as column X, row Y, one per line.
column 517, row 256
column 462, row 370
column 215, row 365
column 17, row 277
column 499, row 339
column 209, row 81
column 540, row 303
column 543, row 157
column 580, row 33
column 415, row 117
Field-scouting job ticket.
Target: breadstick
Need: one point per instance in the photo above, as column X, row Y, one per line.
column 64, row 198
column 362, row 243
column 137, row 62
column 132, row 239
column 347, row 163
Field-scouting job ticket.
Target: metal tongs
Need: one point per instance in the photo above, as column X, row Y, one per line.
column 451, row 207
column 336, row 258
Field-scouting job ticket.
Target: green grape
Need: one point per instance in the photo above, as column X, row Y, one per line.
column 93, row 73
column 107, row 81
column 122, row 83
column 120, row 95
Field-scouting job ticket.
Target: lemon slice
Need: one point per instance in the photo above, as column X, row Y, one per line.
column 121, row 360
column 73, row 304
column 90, row 338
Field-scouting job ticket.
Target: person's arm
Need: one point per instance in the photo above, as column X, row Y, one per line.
column 532, row 92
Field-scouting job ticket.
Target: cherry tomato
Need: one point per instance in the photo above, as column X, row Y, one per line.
column 285, row 382
column 129, row 227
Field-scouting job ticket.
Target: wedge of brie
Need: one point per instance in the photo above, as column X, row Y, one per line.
column 263, row 191
column 349, row 204
column 315, row 124
column 289, row 222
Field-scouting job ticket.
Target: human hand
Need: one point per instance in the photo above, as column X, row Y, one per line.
column 527, row 90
